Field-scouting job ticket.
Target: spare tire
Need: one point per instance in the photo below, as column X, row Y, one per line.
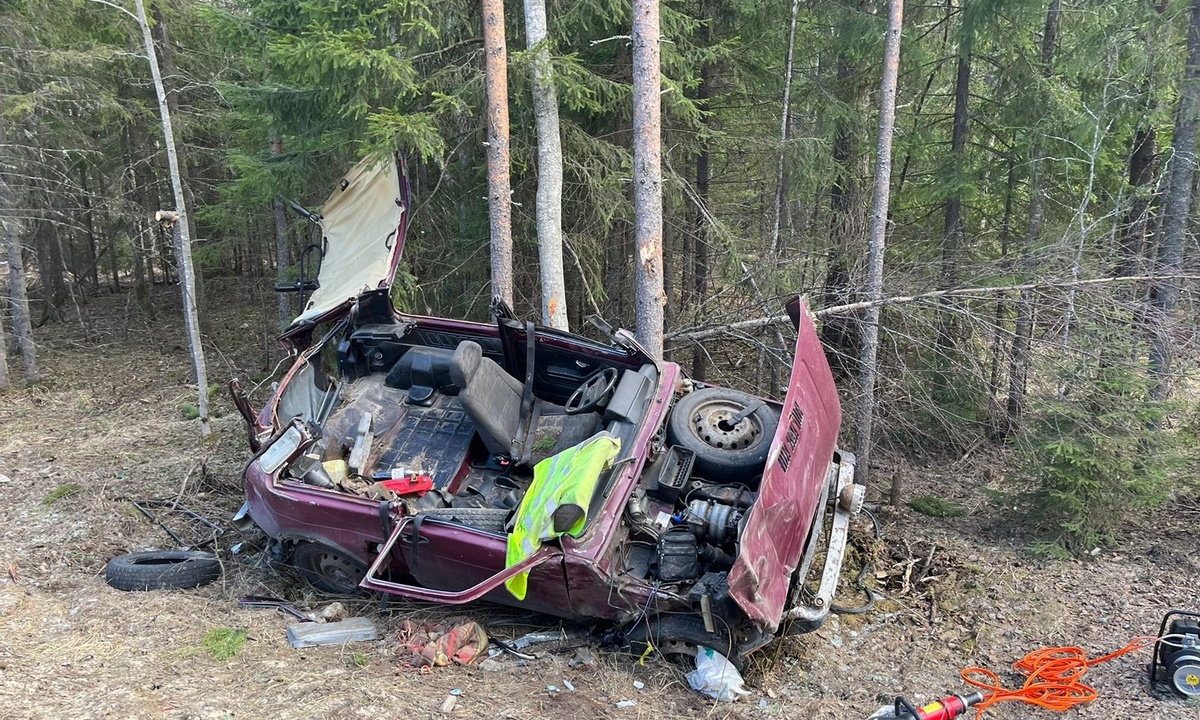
column 724, row 453
column 162, row 570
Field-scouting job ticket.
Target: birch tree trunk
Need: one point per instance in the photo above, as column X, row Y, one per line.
column 647, row 177
column 166, row 58
column 865, row 410
column 784, row 126
column 495, row 61
column 182, row 234
column 550, row 168
column 1164, row 293
column 21, row 326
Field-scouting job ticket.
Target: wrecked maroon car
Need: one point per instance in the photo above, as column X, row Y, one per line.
column 452, row 461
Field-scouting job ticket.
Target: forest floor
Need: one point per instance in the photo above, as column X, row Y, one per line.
column 106, row 426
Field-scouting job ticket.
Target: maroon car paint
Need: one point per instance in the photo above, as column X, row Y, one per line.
column 772, row 542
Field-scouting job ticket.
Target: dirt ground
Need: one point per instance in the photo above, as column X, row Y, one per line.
column 106, row 425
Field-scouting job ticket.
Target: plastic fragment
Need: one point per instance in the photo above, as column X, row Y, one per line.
column 715, row 676
column 567, row 684
column 639, row 684
column 626, row 704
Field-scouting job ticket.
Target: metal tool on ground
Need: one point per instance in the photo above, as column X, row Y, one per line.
column 257, row 601
column 202, row 525
column 947, row 708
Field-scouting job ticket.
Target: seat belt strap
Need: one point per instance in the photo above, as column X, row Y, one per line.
column 528, row 420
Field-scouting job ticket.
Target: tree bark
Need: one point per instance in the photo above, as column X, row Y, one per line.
column 847, row 224
column 183, row 239
column 865, row 410
column 22, row 327
column 1142, row 165
column 647, row 177
column 495, row 64
column 948, row 325
column 282, row 257
column 1164, row 294
column 166, row 55
column 784, row 125
column 1022, row 345
column 701, row 225
column 89, row 224
column 550, row 168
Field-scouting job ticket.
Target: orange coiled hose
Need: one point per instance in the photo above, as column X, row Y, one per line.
column 1053, row 677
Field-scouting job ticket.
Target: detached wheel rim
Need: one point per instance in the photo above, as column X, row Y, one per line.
column 710, row 422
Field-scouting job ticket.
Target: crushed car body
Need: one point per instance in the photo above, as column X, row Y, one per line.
column 454, row 461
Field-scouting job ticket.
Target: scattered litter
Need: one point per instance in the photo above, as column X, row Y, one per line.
column 4, row 479
column 584, row 658
column 334, row 612
column 626, row 704
column 448, row 704
column 567, row 684
column 715, row 676
column 762, row 704
column 302, row 635
column 258, row 601
column 457, row 641
column 456, row 692
column 552, row 688
column 639, row 684
column 306, row 635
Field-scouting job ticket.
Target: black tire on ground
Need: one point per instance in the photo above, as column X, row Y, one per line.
column 328, row 569
column 723, row 453
column 162, row 570
column 486, row 519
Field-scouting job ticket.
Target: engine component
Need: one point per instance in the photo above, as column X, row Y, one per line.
column 738, row 496
column 669, row 474
column 678, row 558
column 713, row 522
column 716, row 559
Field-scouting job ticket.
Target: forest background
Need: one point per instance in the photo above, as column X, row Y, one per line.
column 1038, row 177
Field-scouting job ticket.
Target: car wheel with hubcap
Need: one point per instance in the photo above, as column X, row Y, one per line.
column 328, row 569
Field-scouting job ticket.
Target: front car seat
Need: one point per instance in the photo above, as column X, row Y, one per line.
column 489, row 395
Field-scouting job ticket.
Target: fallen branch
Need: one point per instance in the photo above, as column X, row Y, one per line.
column 697, row 335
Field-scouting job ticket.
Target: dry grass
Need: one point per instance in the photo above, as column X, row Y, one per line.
column 107, row 420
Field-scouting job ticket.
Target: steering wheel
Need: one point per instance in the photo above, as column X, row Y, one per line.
column 592, row 392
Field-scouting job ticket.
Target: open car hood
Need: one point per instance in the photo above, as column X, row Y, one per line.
column 363, row 224
column 772, row 541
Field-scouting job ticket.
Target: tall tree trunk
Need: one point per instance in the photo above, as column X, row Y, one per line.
column 21, row 325
column 865, row 410
column 166, row 55
column 784, row 125
column 4, row 382
column 1164, row 292
column 698, row 272
column 183, row 239
column 550, row 168
column 847, row 223
column 701, row 224
column 93, row 256
column 1022, row 346
column 495, row 63
column 647, row 177
column 948, row 322
column 283, row 258
column 1142, row 164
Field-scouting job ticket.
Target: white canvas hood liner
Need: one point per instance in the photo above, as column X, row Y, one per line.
column 363, row 224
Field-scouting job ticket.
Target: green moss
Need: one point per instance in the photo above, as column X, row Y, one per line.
column 934, row 506
column 60, row 492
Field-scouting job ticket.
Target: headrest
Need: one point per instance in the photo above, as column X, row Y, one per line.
column 465, row 362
